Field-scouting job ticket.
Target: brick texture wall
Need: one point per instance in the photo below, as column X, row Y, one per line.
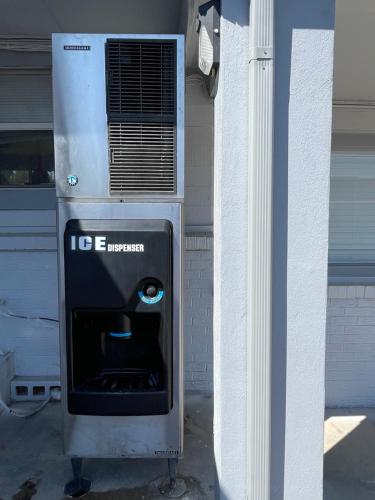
column 198, row 337
column 198, row 256
column 350, row 353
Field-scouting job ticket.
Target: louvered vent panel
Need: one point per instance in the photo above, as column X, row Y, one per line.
column 141, row 96
column 142, row 157
column 141, row 78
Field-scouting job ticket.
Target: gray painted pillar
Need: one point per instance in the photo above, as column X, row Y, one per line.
column 230, row 254
column 303, row 102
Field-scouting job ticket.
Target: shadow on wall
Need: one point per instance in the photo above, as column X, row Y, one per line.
column 349, row 461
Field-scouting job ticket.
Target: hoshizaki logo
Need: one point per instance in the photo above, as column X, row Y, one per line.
column 72, row 180
column 99, row 244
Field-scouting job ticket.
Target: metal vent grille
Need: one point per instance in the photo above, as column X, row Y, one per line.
column 141, row 78
column 141, row 108
column 142, row 157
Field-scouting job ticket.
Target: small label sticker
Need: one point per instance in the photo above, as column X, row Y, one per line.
column 72, row 180
column 166, row 452
column 77, row 47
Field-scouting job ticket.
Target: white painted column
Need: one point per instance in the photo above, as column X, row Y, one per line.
column 230, row 252
column 302, row 128
column 303, row 102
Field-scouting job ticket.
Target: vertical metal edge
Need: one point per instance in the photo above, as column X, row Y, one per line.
column 180, row 122
column 62, row 319
column 180, row 171
column 54, row 91
column 260, row 249
column 181, row 325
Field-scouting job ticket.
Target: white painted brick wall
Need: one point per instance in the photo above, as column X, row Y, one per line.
column 350, row 353
column 28, row 290
column 198, row 337
column 198, row 347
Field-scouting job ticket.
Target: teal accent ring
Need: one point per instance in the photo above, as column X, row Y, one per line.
column 151, row 300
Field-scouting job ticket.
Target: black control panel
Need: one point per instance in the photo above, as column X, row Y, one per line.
column 118, row 296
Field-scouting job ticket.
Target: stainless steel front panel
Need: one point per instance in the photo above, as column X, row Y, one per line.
column 156, row 436
column 80, row 117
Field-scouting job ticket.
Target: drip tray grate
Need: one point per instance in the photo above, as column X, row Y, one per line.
column 134, row 379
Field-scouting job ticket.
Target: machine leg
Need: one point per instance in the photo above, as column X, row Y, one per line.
column 175, row 487
column 79, row 485
column 172, row 470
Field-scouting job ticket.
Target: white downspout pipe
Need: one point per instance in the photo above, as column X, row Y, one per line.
column 261, row 94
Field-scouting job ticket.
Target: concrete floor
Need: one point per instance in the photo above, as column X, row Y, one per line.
column 349, row 460
column 32, row 465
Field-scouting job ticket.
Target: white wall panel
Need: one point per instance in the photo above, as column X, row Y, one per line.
column 25, row 96
column 28, row 291
column 359, row 120
column 27, row 218
column 352, row 208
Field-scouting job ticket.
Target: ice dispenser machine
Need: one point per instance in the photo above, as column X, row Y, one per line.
column 119, row 162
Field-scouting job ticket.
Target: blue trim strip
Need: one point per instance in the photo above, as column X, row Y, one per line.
column 123, row 335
